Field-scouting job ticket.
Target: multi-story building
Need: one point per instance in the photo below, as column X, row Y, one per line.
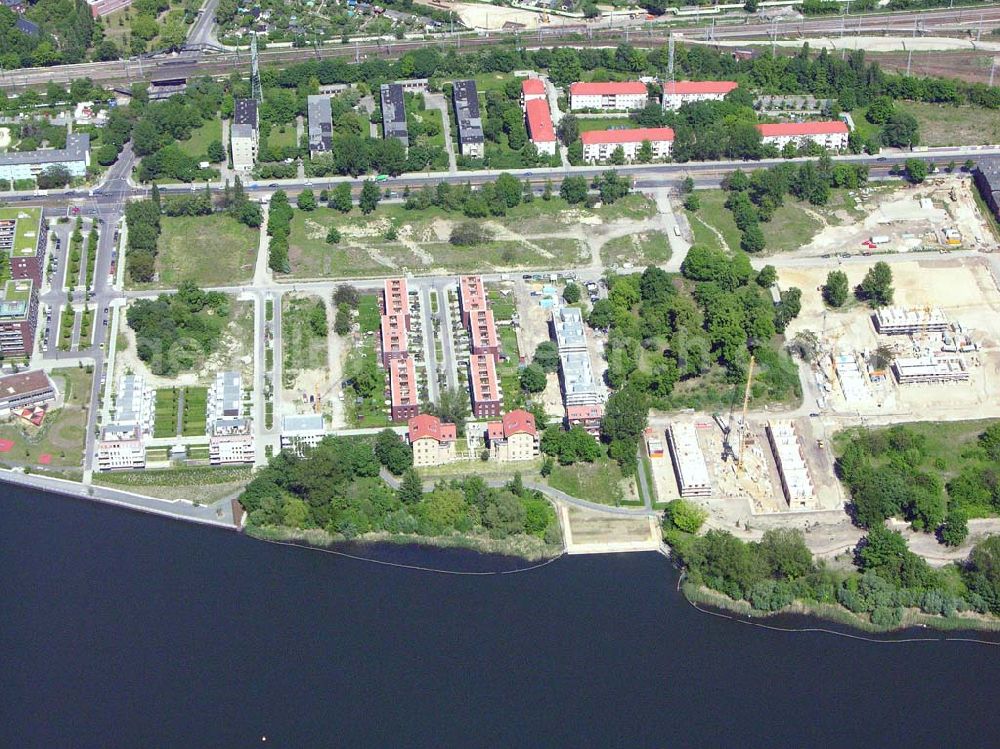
column 471, row 297
column 514, row 437
column 903, row 321
column 18, row 317
column 394, row 340
column 484, row 386
column 225, row 397
column 135, row 403
column 23, row 238
column 539, row 121
column 299, row 434
column 987, row 177
column 396, row 299
column 582, row 394
column 433, row 441
column 394, row 113
column 684, row 92
column 465, row 99
column 320, row 124
column 231, row 440
column 244, row 135
column 599, row 145
column 690, row 468
column 415, row 85
column 121, row 447
column 25, row 390
column 532, row 88
column 930, row 369
column 21, row 165
column 830, row 134
column 788, row 456
column 483, row 334
column 623, row 95
column 404, row 396
column 104, row 7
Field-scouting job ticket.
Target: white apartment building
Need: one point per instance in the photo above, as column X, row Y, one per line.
column 599, row 145
column 830, row 134
column 300, row 434
column 622, row 95
column 684, row 92
column 243, row 135
column 121, row 447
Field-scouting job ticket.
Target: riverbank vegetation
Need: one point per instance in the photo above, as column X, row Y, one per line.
column 336, row 489
column 935, row 475
column 889, row 585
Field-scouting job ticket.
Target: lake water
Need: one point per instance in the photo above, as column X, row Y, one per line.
column 126, row 630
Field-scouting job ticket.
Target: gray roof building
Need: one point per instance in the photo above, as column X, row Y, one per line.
column 987, row 176
column 394, row 113
column 320, row 125
column 27, row 27
column 77, row 149
column 245, row 112
column 470, row 123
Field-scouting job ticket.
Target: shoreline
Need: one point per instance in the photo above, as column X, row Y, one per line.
column 317, row 538
column 700, row 596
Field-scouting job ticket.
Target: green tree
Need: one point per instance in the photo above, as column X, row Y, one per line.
column 876, row 288
column 370, row 196
column 392, row 452
column 916, row 171
column 340, row 198
column 306, row 200
column 625, row 415
column 453, row 407
column 573, row 190
column 752, row 240
column 601, row 315
column 692, row 203
column 571, row 293
column 569, row 129
column 684, row 516
column 767, row 277
column 411, row 488
column 547, row 356
column 216, row 152
column 508, row 190
column 989, row 440
column 836, row 289
column 333, row 235
column 532, row 378
column 955, row 528
column 786, row 553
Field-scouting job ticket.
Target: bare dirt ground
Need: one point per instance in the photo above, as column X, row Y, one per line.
column 963, row 288
column 493, row 17
column 588, row 531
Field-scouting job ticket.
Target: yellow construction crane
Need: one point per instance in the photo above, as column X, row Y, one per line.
column 743, row 421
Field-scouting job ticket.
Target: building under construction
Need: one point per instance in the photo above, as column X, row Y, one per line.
column 689, row 462
column 930, row 369
column 902, row 321
column 788, row 455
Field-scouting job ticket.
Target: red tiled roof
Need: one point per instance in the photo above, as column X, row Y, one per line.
column 403, row 382
column 494, row 430
column 607, row 89
column 518, row 421
column 426, row 425
column 540, row 127
column 803, row 128
column 700, row 87
column 636, row 135
column 594, row 411
column 532, row 86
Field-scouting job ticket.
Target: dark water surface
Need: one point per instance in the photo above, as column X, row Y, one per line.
column 125, row 630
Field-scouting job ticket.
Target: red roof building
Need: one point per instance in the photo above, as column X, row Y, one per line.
column 483, row 333
column 587, row 416
column 518, row 421
column 514, row 437
column 540, row 129
column 484, row 386
column 613, row 95
column 598, row 145
column 532, row 87
column 426, row 426
column 827, row 133
column 395, row 299
column 403, row 392
column 394, row 338
column 682, row 88
column 471, row 296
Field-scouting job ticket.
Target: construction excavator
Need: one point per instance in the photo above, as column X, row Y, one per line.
column 727, row 427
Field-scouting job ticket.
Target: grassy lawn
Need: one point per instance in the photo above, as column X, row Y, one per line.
column 648, row 248
column 63, row 433
column 369, row 316
column 599, row 481
column 211, row 250
column 503, row 306
column 67, row 318
column 491, row 81
column 303, row 349
column 508, row 371
column 197, row 144
column 194, row 418
column 165, row 420
column 605, row 123
column 430, row 116
column 947, row 125
column 790, row 227
column 282, row 136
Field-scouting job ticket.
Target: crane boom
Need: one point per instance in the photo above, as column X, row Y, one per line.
column 743, row 420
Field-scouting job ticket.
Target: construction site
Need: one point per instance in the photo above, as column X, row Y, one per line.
column 933, row 354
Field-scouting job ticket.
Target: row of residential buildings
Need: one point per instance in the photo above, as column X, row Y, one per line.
column 627, row 95
column 394, row 350
column 23, row 239
column 123, row 442
column 484, row 347
column 21, row 165
column 583, row 397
